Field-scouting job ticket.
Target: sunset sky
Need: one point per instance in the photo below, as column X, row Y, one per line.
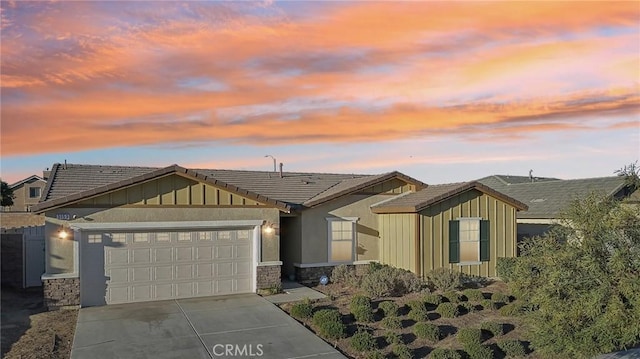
column 441, row 91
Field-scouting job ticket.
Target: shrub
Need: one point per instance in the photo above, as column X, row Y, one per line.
column 427, row 331
column 302, row 309
column 342, row 274
column 390, row 308
column 469, row 336
column 473, row 295
column 434, row 299
column 332, row 330
column 512, row 348
column 468, row 307
column 326, row 315
column 445, row 279
column 500, row 297
column 511, row 310
column 418, row 311
column 478, row 351
column 488, row 304
column 362, row 341
column 391, row 322
column 385, row 280
column 402, row 351
column 392, row 337
column 448, row 310
column 360, row 307
column 441, row 353
column 375, row 354
column 496, row 329
column 505, row 267
column 453, row 297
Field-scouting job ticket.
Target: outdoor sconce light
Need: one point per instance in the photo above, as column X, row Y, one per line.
column 62, row 233
column 268, row 229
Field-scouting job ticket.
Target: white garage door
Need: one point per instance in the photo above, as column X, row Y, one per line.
column 159, row 265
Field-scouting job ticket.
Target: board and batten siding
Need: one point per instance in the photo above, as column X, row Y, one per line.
column 171, row 190
column 398, row 232
column 398, row 240
column 434, row 228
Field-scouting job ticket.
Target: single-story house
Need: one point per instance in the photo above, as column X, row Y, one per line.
column 118, row 234
column 547, row 198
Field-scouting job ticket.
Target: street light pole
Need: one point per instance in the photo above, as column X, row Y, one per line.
column 274, row 162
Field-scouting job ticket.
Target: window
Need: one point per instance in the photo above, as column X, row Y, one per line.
column 34, row 192
column 468, row 240
column 341, row 239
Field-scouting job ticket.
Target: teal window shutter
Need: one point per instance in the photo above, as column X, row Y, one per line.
column 454, row 241
column 484, row 240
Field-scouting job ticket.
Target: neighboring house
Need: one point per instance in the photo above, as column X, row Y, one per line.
column 26, row 193
column 548, row 197
column 119, row 234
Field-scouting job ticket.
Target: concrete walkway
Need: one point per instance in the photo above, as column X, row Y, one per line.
column 294, row 292
column 239, row 326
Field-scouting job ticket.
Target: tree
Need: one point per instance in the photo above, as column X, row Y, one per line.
column 582, row 280
column 631, row 173
column 7, row 194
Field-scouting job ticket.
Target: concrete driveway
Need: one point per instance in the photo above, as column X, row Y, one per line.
column 238, row 326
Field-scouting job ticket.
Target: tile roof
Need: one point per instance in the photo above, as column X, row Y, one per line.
column 547, row 199
column 417, row 201
column 73, row 182
column 500, row 180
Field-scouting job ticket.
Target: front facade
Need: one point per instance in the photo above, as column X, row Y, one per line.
column 464, row 227
column 117, row 234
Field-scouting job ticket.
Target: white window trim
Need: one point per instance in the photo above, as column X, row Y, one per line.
column 460, row 219
column 354, row 238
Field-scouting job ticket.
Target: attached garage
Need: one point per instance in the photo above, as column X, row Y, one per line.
column 158, row 261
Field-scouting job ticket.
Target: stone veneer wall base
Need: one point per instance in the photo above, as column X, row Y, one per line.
column 268, row 276
column 61, row 293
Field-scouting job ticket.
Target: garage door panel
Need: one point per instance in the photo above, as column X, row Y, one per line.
column 178, row 264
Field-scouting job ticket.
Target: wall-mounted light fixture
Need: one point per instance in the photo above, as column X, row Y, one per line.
column 63, row 233
column 268, row 228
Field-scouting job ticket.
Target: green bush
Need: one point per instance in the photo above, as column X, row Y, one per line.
column 343, row 274
column 478, row 351
column 469, row 336
column 505, row 267
column 500, row 297
column 488, row 304
column 511, row 310
column 302, row 309
column 453, row 297
column 332, row 330
column 448, row 310
column 384, row 281
column 473, row 295
column 390, row 308
column 326, row 315
column 433, row 299
column 391, row 322
column 445, row 279
column 418, row 311
column 496, row 329
column 468, row 307
column 392, row 337
column 359, row 300
column 375, row 354
column 441, row 353
column 360, row 307
column 512, row 348
column 362, row 341
column 427, row 331
column 402, row 351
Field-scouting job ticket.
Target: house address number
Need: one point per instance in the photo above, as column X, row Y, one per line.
column 63, row 216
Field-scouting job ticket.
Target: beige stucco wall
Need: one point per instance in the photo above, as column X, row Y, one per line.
column 315, row 246
column 60, row 253
column 21, row 200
